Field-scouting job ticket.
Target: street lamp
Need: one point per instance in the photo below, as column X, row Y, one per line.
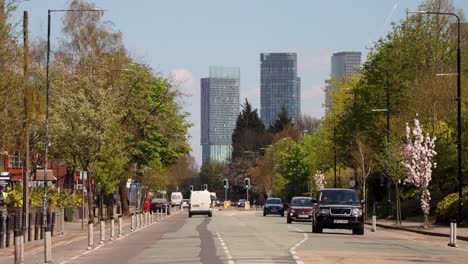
column 46, row 152
column 458, row 98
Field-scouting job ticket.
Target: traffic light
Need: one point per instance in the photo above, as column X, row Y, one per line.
column 205, row 187
column 247, row 183
column 225, row 183
column 191, row 187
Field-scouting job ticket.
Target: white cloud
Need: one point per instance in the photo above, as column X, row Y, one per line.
column 183, row 79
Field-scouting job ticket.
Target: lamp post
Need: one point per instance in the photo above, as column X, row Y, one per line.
column 458, row 99
column 47, row 255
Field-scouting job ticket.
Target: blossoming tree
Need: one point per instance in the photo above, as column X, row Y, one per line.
column 418, row 153
column 319, row 181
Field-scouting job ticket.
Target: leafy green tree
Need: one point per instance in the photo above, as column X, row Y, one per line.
column 212, row 173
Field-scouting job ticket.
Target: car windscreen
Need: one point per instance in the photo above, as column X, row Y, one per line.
column 301, row 202
column 273, row 201
column 338, row 197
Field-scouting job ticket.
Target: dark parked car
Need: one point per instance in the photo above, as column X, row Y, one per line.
column 273, row 206
column 160, row 204
column 338, row 209
column 300, row 209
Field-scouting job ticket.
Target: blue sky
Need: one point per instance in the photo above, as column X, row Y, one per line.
column 182, row 38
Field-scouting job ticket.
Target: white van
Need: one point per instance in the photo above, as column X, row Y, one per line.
column 200, row 203
column 176, row 199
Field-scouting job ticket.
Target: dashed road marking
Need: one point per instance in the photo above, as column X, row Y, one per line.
column 225, row 248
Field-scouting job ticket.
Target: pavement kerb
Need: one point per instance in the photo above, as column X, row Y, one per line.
column 423, row 232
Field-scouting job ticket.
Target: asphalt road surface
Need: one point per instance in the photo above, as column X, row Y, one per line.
column 233, row 236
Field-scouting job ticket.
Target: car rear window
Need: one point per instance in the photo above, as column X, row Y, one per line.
column 302, row 202
column 273, row 201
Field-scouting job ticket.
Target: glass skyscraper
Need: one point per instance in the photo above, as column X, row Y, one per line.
column 219, row 110
column 279, row 86
column 343, row 65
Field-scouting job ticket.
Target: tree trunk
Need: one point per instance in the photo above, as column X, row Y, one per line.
column 398, row 208
column 123, row 198
column 364, row 194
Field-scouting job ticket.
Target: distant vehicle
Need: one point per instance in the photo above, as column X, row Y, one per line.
column 215, row 201
column 160, row 204
column 300, row 209
column 185, row 203
column 200, row 203
column 273, row 206
column 241, row 203
column 338, row 209
column 176, row 199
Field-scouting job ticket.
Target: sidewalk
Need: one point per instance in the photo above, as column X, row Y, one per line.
column 416, row 227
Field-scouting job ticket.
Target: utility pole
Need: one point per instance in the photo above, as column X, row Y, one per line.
column 26, row 97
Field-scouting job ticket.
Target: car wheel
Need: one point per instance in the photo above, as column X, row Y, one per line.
column 189, row 215
column 313, row 228
column 210, row 214
column 288, row 220
column 318, row 229
column 282, row 215
column 264, row 214
column 360, row 231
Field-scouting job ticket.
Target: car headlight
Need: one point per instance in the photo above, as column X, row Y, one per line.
column 324, row 211
column 356, row 212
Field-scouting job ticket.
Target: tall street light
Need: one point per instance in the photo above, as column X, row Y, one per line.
column 46, row 152
column 458, row 98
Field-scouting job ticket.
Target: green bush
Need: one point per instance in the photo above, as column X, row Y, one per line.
column 448, row 208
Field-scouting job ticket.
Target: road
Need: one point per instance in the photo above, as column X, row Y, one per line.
column 233, row 236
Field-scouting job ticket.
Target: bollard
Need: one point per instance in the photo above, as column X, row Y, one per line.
column 453, row 234
column 144, row 218
column 47, row 245
column 374, row 223
column 19, row 246
column 2, row 229
column 120, row 225
column 8, row 231
column 112, row 228
column 62, row 219
column 41, row 228
column 102, row 231
column 132, row 226
column 90, row 235
column 30, row 227
column 52, row 224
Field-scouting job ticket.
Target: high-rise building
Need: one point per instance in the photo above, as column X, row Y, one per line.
column 343, row 65
column 219, row 110
column 279, row 86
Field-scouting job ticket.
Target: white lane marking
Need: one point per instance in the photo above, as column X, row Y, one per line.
column 225, row 248
column 293, row 249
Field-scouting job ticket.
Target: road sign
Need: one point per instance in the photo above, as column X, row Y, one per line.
column 83, row 175
column 135, row 185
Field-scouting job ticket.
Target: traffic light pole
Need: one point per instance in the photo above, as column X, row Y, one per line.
column 247, row 194
column 225, row 194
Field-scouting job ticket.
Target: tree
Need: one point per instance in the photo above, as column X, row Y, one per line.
column 282, row 122
column 212, row 173
column 307, row 124
column 391, row 162
column 365, row 160
column 418, row 154
column 249, row 133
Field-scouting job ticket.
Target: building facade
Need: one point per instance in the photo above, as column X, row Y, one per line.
column 343, row 65
column 279, row 86
column 219, row 110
